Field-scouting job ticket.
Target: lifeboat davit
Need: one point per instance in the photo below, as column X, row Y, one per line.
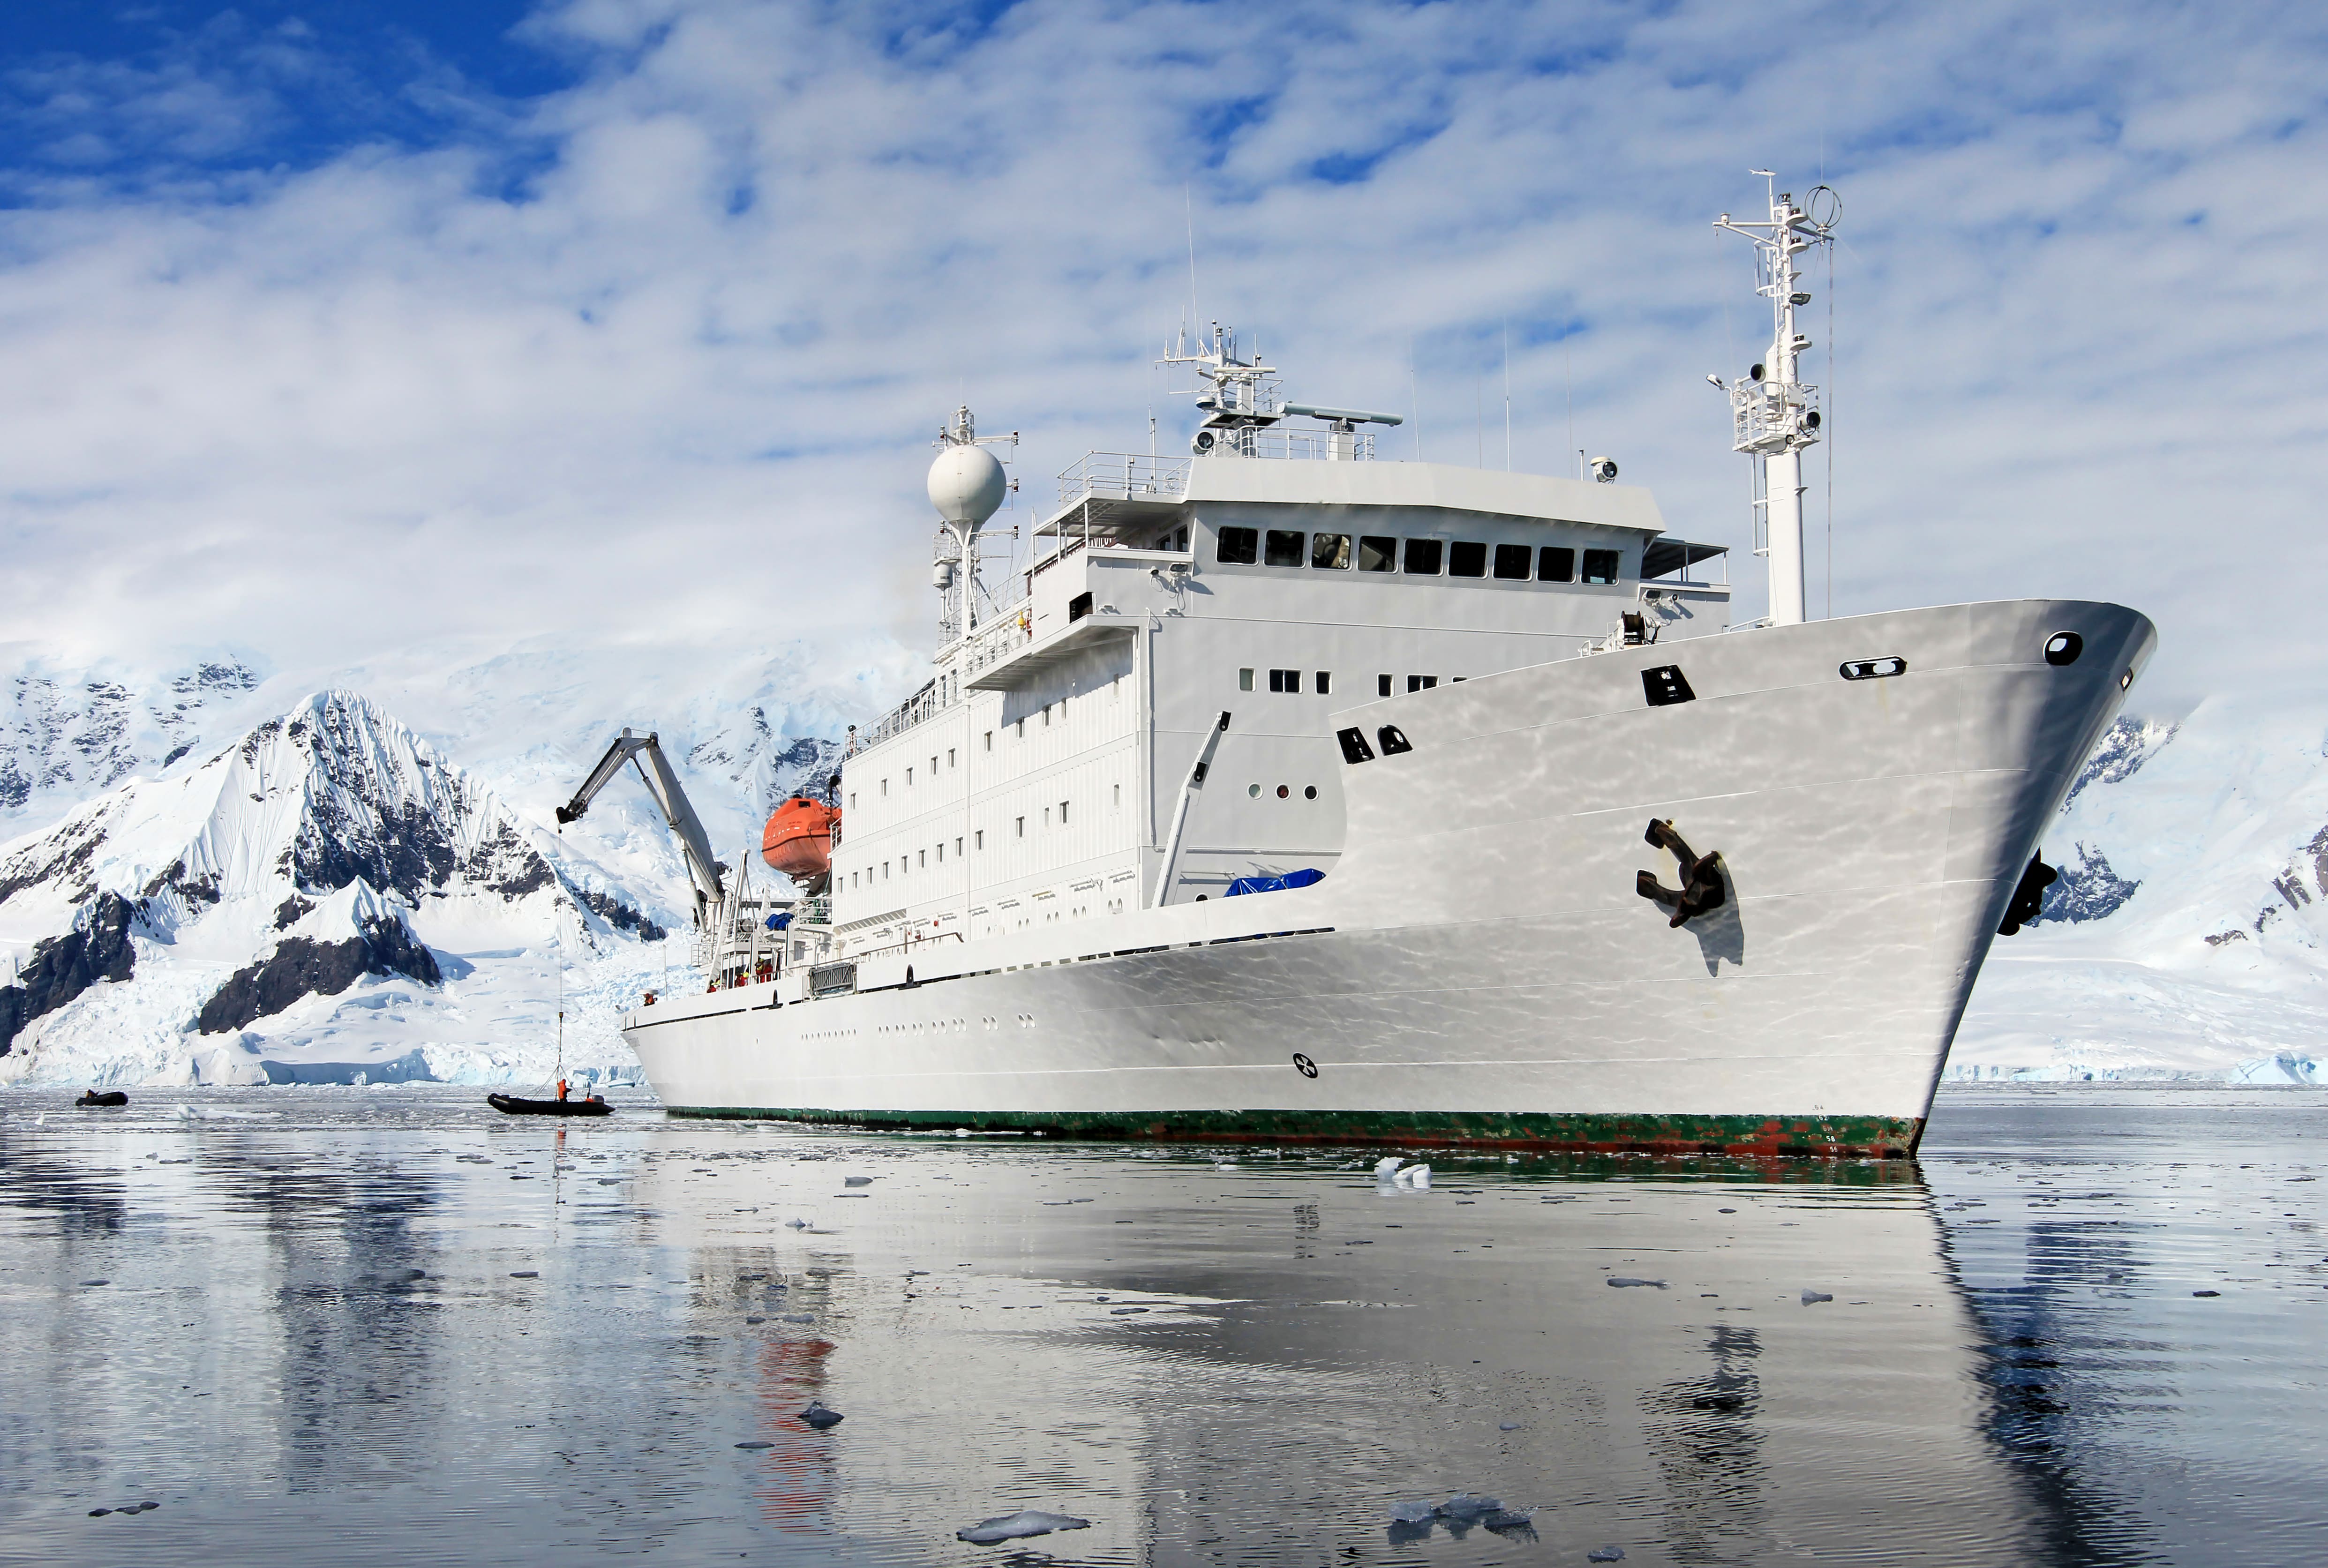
column 798, row 840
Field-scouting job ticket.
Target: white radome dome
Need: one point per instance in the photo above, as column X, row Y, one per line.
column 966, row 485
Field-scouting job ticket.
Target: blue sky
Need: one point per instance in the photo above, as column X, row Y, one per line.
column 332, row 327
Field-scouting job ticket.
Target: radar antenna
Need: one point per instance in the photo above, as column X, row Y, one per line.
column 1774, row 415
column 1242, row 400
column 967, row 486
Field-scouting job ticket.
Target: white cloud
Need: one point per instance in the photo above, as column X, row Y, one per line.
column 663, row 350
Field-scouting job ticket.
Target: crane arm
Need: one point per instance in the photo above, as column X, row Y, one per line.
column 694, row 843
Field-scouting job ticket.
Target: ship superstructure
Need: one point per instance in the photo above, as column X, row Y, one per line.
column 1295, row 791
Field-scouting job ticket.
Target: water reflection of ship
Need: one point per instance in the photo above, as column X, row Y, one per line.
column 1715, row 1420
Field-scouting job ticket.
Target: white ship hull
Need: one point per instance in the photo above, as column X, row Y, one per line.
column 1479, row 967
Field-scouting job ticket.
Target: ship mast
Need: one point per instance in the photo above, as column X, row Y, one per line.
column 1774, row 413
column 967, row 485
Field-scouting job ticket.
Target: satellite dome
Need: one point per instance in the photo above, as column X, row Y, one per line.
column 966, row 485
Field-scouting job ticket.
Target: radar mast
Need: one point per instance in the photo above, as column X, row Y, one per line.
column 1774, row 413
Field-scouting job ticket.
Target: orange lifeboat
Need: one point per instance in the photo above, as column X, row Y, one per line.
column 798, row 840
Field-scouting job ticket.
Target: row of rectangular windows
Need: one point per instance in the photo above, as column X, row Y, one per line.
column 1425, row 558
column 1322, row 682
column 907, row 863
column 988, row 745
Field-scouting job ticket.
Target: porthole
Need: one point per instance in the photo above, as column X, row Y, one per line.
column 2063, row 648
column 1253, row 790
column 1284, row 792
column 1309, row 794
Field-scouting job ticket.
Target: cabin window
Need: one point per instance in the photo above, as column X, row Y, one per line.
column 909, row 778
column 1118, row 802
column 1423, row 557
column 1512, row 562
column 1022, row 730
column 1325, row 682
column 921, row 856
column 1556, row 563
column 1282, row 548
column 1285, row 680
column 1237, row 546
column 1046, row 716
column 933, row 762
column 1421, row 682
column 957, row 848
column 1377, row 554
column 1467, row 559
column 885, row 789
column 978, row 837
column 1382, row 685
column 1600, row 566
column 941, row 851
column 1244, row 679
column 885, row 870
column 1080, row 606
column 1046, row 816
column 989, row 740
column 1022, row 827
column 1063, row 814
column 1178, row 538
column 852, row 800
column 1330, row 551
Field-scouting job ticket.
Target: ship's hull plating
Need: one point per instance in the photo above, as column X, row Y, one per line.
column 1479, row 968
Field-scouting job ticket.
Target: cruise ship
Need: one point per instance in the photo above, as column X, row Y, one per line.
column 1295, row 792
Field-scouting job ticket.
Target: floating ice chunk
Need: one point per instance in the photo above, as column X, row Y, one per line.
column 796, row 1224
column 1811, row 1296
column 96, row 1281
column 1513, row 1521
column 1468, row 1505
column 1385, row 1166
column 525, row 1273
column 1414, row 1176
column 1019, row 1526
column 1605, row 1555
column 817, row 1416
column 1508, row 1426
column 1626, row 1281
column 856, row 1181
column 755, row 1443
column 1124, row 1311
column 962, row 1133
column 751, row 1320
column 1414, row 1513
column 800, row 1317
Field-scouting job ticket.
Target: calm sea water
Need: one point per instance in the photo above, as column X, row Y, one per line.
column 391, row 1327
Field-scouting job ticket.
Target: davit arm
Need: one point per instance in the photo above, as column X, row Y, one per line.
column 694, row 843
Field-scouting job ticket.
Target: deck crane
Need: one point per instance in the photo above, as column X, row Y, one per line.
column 694, row 844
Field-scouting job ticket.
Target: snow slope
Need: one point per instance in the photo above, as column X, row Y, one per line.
column 2186, row 936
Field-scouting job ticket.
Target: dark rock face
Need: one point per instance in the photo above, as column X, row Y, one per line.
column 63, row 967
column 301, row 967
column 2120, row 753
column 617, row 913
column 2088, row 890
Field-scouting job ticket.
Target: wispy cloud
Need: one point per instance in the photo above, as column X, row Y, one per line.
column 331, row 354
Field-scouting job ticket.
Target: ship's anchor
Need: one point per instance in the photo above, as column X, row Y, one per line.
column 1701, row 877
column 2029, row 897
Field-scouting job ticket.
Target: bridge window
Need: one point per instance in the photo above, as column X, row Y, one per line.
column 1237, row 546
column 1423, row 557
column 1512, row 562
column 1325, row 682
column 1556, row 563
column 1285, row 680
column 1330, row 551
column 1282, row 548
column 1600, row 566
column 1467, row 559
column 1421, row 682
column 1378, row 554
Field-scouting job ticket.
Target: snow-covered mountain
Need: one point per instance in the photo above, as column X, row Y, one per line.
column 326, row 896
column 2189, row 933
column 380, row 858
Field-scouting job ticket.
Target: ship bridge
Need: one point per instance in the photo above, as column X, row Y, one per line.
column 1069, row 759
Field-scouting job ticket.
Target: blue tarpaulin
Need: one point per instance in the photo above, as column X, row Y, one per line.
column 780, row 922
column 1302, row 879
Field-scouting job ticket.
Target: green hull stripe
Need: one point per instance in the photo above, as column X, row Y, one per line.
column 1884, row 1137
